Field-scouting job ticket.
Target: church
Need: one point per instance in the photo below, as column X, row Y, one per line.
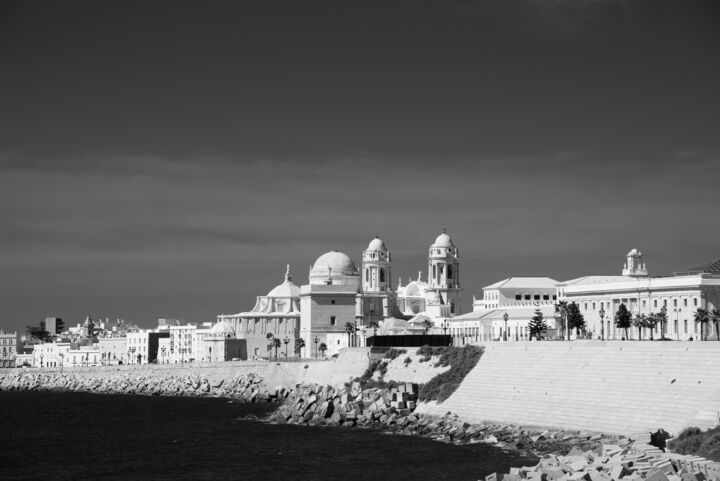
column 338, row 295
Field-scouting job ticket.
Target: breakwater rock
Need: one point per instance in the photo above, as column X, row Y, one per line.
column 393, row 409
column 625, row 460
column 243, row 388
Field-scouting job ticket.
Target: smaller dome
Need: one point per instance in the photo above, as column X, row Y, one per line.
column 377, row 244
column 222, row 328
column 634, row 252
column 286, row 289
column 443, row 240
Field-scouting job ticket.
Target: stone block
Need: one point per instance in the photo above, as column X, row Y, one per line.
column 491, row 477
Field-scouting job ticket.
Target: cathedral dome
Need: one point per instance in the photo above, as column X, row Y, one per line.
column 286, row 289
column 377, row 244
column 443, row 240
column 334, row 263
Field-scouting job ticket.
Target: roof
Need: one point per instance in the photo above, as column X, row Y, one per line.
column 377, row 244
column 516, row 313
column 596, row 280
column 709, row 268
column 443, row 240
column 334, row 263
column 524, row 282
column 286, row 289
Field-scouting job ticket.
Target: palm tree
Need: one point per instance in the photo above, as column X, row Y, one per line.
column 427, row 325
column 639, row 321
column 561, row 308
column 275, row 343
column 350, row 329
column 323, row 348
column 299, row 344
column 702, row 317
column 715, row 316
column 651, row 321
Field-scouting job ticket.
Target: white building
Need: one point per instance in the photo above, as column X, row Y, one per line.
column 516, row 297
column 83, row 356
column 181, row 343
column 113, row 350
column 164, row 352
column 9, row 348
column 50, row 354
column 599, row 298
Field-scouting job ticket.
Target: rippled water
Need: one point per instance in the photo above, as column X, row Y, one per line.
column 85, row 436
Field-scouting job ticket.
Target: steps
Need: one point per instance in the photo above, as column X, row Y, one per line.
column 618, row 387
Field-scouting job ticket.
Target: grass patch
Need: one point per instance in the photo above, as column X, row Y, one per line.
column 394, row 353
column 461, row 361
column 698, row 442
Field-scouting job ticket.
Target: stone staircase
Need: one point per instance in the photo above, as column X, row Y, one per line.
column 615, row 387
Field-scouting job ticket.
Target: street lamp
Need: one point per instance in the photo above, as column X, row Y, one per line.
column 316, row 340
column 505, row 333
column 41, row 359
column 286, row 340
column 602, row 323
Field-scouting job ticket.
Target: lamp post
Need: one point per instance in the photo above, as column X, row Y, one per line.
column 444, row 326
column 41, row 359
column 316, row 340
column 286, row 341
column 602, row 323
column 505, row 332
column 61, row 355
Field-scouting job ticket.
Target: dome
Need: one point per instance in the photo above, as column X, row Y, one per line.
column 634, row 252
column 377, row 244
column 222, row 328
column 334, row 263
column 443, row 240
column 286, row 289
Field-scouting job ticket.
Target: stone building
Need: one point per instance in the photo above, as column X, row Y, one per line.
column 600, row 296
column 9, row 348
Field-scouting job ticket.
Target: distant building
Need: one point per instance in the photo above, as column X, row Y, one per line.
column 50, row 354
column 52, row 325
column 143, row 345
column 83, row 356
column 9, row 348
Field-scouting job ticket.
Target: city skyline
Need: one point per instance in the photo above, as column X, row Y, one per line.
column 169, row 160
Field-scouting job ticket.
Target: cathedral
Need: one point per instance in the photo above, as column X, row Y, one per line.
column 342, row 305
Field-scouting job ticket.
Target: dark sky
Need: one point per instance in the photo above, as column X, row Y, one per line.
column 167, row 159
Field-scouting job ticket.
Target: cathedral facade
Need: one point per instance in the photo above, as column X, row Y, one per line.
column 342, row 304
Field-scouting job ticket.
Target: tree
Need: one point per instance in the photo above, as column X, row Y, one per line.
column 639, row 321
column 715, row 316
column 299, row 344
column 38, row 332
column 427, row 325
column 702, row 317
column 350, row 329
column 575, row 319
column 662, row 320
column 622, row 319
column 276, row 344
column 561, row 309
column 373, row 324
column 537, row 325
column 323, row 348
column 651, row 321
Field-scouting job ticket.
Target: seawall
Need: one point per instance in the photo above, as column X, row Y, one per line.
column 612, row 387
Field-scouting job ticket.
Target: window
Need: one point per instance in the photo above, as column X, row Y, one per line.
column 674, row 302
column 585, row 306
column 644, row 303
column 382, row 274
column 537, row 297
column 655, row 303
column 695, row 301
column 527, row 297
column 593, row 306
column 554, row 297
column 684, row 302
column 685, row 326
column 546, row 297
column 664, row 302
column 332, row 320
column 332, row 301
column 518, row 297
column 450, row 271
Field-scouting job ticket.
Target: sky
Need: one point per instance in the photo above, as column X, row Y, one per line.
column 168, row 159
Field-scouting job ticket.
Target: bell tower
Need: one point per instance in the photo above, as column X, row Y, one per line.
column 444, row 275
column 376, row 273
column 634, row 265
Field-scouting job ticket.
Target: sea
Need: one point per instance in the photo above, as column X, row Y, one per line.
column 77, row 436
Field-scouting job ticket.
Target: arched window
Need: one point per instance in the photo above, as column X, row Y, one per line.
column 367, row 275
column 382, row 274
column 434, row 271
column 450, row 271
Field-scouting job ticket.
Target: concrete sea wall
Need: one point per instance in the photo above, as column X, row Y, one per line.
column 613, row 387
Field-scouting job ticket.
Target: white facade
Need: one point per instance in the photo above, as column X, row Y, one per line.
column 181, row 343
column 137, row 345
column 113, row 350
column 164, row 352
column 83, row 356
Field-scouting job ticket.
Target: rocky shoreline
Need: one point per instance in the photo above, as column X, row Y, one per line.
column 241, row 388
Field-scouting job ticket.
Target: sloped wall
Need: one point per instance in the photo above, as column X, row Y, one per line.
column 615, row 387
